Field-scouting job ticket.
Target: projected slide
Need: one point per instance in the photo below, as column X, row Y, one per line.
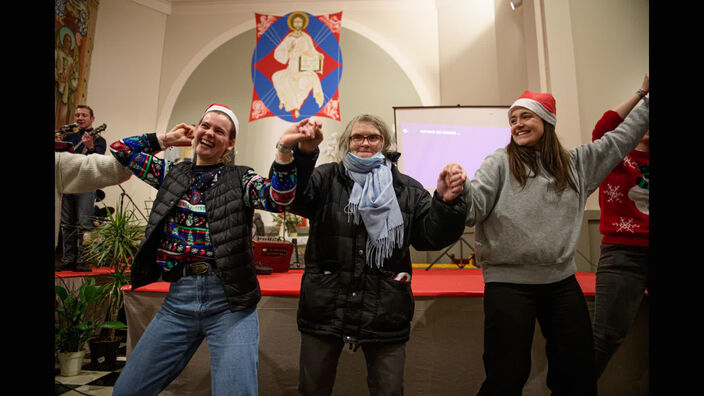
column 426, row 147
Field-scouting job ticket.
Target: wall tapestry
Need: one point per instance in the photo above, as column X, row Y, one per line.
column 74, row 29
column 296, row 66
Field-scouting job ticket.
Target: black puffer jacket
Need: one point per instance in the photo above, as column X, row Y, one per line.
column 341, row 295
column 230, row 222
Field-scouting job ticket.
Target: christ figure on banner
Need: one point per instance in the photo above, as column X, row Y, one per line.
column 294, row 83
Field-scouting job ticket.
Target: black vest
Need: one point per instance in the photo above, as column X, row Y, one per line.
column 230, row 225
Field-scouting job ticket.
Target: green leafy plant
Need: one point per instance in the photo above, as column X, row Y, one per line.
column 113, row 244
column 73, row 328
column 290, row 221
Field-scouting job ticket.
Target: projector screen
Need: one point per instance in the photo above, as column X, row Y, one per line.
column 429, row 138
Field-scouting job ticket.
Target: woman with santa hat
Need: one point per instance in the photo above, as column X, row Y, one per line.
column 198, row 238
column 526, row 202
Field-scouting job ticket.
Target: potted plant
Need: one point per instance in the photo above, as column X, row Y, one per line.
column 112, row 244
column 287, row 223
column 73, row 328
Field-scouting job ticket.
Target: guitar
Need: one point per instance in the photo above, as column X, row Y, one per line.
column 73, row 128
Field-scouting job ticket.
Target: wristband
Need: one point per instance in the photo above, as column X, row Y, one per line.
column 284, row 149
column 640, row 93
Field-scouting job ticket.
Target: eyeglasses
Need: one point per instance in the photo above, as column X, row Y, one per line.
column 372, row 139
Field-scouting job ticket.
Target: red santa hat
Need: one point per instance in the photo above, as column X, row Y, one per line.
column 542, row 104
column 227, row 111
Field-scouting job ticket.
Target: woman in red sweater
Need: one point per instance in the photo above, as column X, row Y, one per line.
column 622, row 272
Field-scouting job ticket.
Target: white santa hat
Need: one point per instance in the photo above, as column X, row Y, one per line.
column 542, row 104
column 227, row 111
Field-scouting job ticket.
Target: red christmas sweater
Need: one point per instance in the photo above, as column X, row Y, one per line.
column 624, row 194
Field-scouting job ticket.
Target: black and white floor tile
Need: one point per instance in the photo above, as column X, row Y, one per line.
column 89, row 382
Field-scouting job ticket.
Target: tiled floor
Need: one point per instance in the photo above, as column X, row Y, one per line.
column 89, row 382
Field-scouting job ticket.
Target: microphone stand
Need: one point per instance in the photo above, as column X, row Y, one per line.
column 123, row 195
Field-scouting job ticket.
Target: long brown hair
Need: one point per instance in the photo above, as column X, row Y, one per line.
column 552, row 156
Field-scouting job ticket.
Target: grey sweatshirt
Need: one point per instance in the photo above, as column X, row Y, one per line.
column 529, row 235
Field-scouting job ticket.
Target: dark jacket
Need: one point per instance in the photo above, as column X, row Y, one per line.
column 341, row 295
column 230, row 225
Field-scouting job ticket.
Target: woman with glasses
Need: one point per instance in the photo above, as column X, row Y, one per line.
column 356, row 288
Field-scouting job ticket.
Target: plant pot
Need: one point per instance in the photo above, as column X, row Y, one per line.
column 103, row 354
column 70, row 363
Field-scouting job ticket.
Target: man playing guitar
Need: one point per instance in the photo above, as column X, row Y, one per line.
column 77, row 209
column 84, row 141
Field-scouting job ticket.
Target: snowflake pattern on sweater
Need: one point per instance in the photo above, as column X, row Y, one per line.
column 186, row 237
column 623, row 195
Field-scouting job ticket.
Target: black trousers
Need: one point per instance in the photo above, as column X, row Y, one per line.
column 318, row 366
column 510, row 312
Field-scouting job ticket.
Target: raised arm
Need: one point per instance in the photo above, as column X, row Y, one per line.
column 276, row 193
column 613, row 117
column 77, row 173
column 595, row 160
column 625, row 107
column 451, row 182
column 439, row 219
column 138, row 152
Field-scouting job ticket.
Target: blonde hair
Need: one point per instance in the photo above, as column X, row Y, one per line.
column 343, row 142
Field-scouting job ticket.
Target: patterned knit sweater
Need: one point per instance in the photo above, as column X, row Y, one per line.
column 186, row 236
column 624, row 194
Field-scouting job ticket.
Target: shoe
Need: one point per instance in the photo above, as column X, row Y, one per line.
column 83, row 268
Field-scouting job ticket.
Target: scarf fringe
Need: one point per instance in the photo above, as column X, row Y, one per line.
column 352, row 211
column 383, row 248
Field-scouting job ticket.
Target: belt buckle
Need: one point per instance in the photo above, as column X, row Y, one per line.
column 198, row 268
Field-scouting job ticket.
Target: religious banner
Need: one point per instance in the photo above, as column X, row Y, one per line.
column 296, row 66
column 74, row 29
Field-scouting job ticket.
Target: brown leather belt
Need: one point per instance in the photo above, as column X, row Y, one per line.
column 197, row 268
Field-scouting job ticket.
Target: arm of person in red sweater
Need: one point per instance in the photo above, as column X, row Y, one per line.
column 612, row 118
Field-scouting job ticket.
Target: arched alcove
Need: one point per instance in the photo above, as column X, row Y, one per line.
column 372, row 82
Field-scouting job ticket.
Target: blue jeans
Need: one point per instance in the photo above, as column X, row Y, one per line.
column 77, row 212
column 195, row 308
column 621, row 280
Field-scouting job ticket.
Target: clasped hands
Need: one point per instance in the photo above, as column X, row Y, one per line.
column 451, row 182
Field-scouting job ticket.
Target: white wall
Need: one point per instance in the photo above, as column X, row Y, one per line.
column 611, row 49
column 123, row 86
column 482, row 55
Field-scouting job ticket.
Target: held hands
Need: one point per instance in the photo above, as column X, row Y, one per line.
column 180, row 135
column 308, row 134
column 451, row 182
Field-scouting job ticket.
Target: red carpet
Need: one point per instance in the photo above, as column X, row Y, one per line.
column 92, row 272
column 436, row 282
